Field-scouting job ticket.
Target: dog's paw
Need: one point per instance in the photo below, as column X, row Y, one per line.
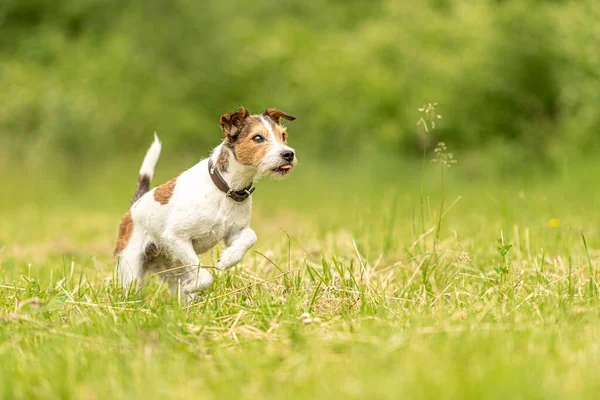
column 202, row 280
column 228, row 259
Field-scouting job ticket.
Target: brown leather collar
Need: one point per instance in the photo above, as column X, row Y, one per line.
column 236, row 195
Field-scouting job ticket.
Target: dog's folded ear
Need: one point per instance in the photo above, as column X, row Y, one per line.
column 276, row 115
column 232, row 123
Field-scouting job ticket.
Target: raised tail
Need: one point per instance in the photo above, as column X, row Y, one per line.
column 147, row 169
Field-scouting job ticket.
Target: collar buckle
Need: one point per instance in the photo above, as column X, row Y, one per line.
column 239, row 195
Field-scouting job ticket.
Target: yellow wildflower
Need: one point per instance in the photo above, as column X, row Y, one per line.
column 554, row 223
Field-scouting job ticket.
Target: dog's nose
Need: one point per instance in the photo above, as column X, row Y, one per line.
column 287, row 155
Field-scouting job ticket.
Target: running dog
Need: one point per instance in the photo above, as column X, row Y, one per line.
column 168, row 226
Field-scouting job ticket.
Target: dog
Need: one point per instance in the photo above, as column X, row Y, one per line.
column 167, row 227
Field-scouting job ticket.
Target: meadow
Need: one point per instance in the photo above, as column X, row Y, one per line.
column 350, row 292
column 377, row 273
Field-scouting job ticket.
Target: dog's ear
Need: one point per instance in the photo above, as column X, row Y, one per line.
column 232, row 123
column 276, row 115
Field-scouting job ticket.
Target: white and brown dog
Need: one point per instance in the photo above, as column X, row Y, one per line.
column 167, row 227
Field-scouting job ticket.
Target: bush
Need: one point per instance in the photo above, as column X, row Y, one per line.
column 82, row 78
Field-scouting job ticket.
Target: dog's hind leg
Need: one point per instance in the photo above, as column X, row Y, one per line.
column 130, row 263
column 129, row 270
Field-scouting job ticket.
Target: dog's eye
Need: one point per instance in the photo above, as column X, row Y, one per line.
column 258, row 139
column 284, row 137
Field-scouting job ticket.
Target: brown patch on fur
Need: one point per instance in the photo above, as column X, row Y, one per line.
column 276, row 115
column 251, row 126
column 247, row 151
column 223, row 161
column 125, row 231
column 280, row 133
column 163, row 193
column 240, row 128
column 231, row 123
column 279, row 130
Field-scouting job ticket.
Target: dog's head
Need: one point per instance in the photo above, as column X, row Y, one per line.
column 260, row 140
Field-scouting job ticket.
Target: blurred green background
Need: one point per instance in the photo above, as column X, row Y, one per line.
column 87, row 81
column 416, row 295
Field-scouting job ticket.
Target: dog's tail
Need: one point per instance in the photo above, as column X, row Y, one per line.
column 147, row 169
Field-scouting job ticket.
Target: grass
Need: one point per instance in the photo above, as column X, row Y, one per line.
column 345, row 294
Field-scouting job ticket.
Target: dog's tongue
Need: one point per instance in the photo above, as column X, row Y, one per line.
column 286, row 166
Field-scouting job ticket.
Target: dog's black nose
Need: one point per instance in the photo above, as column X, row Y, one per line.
column 287, row 155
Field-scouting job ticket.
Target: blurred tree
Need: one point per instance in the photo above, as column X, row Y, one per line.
column 80, row 77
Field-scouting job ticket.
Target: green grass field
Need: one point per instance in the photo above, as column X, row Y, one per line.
column 352, row 291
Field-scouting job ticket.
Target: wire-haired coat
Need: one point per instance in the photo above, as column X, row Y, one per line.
column 168, row 226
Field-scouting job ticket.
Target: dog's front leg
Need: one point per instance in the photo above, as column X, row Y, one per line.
column 238, row 244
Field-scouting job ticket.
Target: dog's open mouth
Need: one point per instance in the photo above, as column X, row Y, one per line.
column 283, row 169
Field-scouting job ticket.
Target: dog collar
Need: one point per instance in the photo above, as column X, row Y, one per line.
column 217, row 178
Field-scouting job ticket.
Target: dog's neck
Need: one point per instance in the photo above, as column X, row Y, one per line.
column 237, row 176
